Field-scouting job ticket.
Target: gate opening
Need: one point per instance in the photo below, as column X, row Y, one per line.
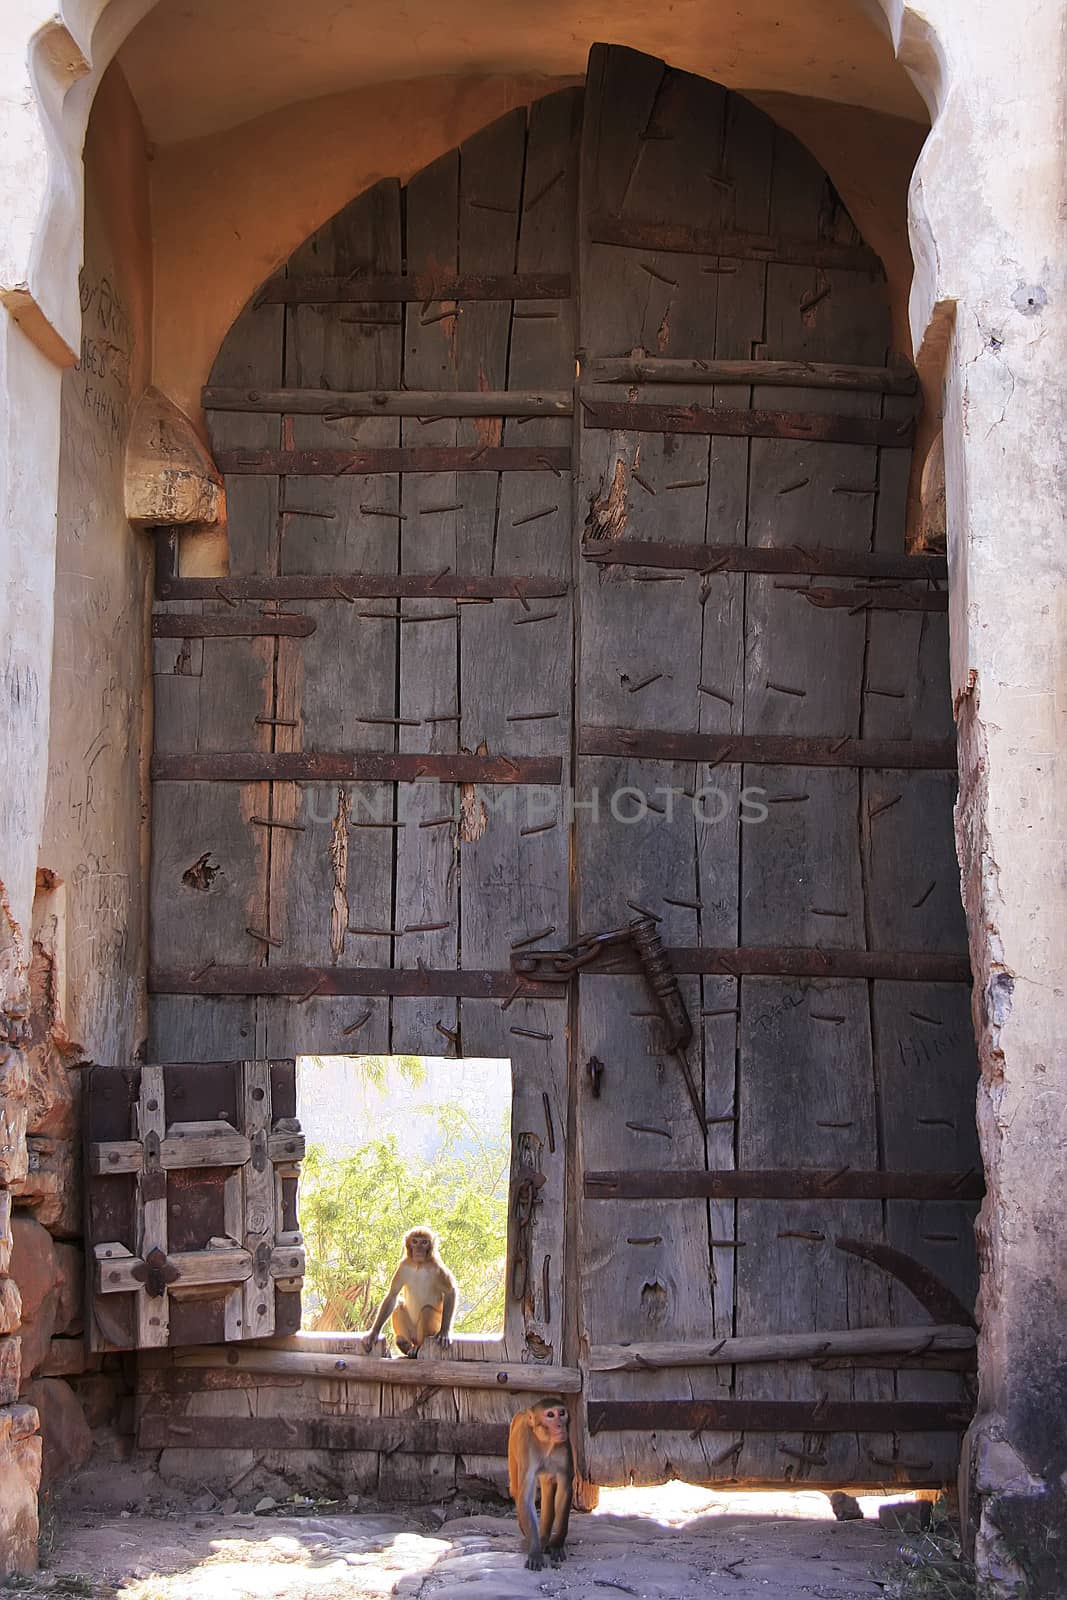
column 400, row 1142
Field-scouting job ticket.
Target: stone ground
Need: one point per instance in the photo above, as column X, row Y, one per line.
column 671, row 1543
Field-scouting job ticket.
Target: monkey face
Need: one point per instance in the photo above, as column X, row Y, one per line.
column 555, row 1421
column 419, row 1246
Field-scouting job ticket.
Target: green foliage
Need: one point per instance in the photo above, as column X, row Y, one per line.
column 355, row 1210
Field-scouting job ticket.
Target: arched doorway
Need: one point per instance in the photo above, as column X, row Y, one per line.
column 568, row 589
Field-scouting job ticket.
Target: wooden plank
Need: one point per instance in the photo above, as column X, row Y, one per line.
column 412, row 458
column 523, row 1377
column 318, row 982
column 405, row 288
column 853, row 1343
column 125, row 1275
column 899, row 378
column 811, row 426
column 246, row 766
column 352, row 586
column 840, row 1183
column 800, row 559
column 688, row 240
column 774, row 1416
column 767, row 749
column 217, row 626
column 258, row 1206
column 406, row 1435
column 334, row 403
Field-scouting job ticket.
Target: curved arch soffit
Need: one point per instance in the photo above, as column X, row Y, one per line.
column 68, row 57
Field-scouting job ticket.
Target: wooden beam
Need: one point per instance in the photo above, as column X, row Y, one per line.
column 251, row 766
column 339, row 403
column 353, row 586
column 850, row 1343
column 125, row 1274
column 899, row 378
column 777, row 1416
column 707, row 558
column 805, row 1183
column 517, row 1377
column 216, row 1145
column 308, row 982
column 768, row 749
column 754, row 424
column 686, row 240
column 399, row 288
column 221, row 626
column 404, row 1435
column 397, row 458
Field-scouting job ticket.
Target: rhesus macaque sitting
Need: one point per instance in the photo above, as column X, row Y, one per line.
column 421, row 1298
column 539, row 1453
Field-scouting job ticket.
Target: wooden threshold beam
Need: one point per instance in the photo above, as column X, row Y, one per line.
column 308, row 766
column 403, row 1435
column 848, row 1343
column 767, row 749
column 399, row 458
column 400, row 288
column 754, row 424
column 803, row 1183
column 514, row 1377
column 898, row 378
column 426, row 403
column 778, row 1416
column 816, row 559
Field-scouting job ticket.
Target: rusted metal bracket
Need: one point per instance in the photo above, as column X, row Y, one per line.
column 932, row 1293
column 642, row 935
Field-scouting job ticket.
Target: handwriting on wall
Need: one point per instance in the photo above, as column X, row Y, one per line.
column 103, row 371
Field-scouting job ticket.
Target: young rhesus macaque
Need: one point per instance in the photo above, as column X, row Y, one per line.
column 539, row 1452
column 421, row 1297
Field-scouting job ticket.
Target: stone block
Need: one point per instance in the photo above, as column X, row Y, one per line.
column 70, row 1288
column 20, row 1477
column 10, row 1306
column 10, row 1368
column 51, row 1188
column 5, row 1231
column 68, row 1442
column 35, row 1271
column 905, row 1516
column 14, row 1086
column 99, row 1394
column 66, row 1358
column 50, row 1097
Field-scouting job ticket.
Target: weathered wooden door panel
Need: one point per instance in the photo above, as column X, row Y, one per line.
column 735, row 553
column 677, row 179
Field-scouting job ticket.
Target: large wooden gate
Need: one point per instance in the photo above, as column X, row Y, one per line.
column 567, row 590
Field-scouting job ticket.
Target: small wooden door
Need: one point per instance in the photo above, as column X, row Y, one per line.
column 545, row 613
column 192, row 1225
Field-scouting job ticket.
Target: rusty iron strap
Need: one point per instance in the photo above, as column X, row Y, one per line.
column 932, row 1293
